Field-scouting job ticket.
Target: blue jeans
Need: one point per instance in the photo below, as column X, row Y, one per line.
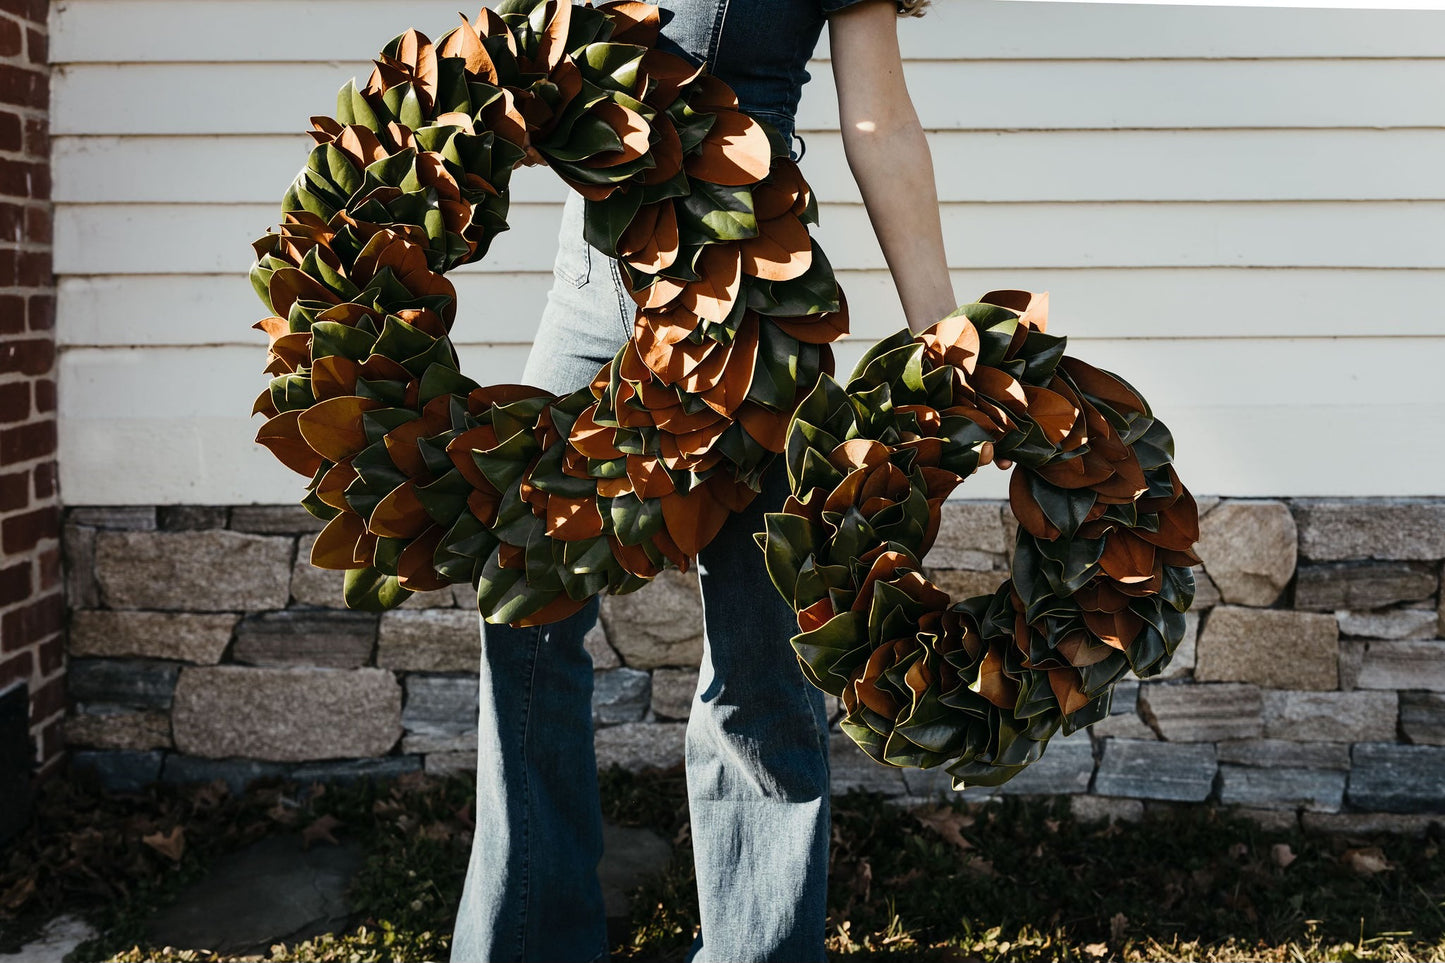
column 756, row 741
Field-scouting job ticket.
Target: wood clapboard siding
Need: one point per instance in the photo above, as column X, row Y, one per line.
column 1238, row 209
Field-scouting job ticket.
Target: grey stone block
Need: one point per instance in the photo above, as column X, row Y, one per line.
column 1156, row 770
column 1319, row 790
column 1393, row 624
column 1352, row 657
column 1403, row 665
column 672, row 692
column 922, row 785
column 1249, row 549
column 852, row 769
column 660, row 625
column 640, row 745
column 341, row 640
column 1271, row 820
column 1065, row 768
column 1189, row 712
column 1095, row 809
column 1282, row 753
column 620, row 695
column 1389, row 528
column 1422, row 717
column 137, row 518
column 1363, row 585
column 137, row 683
column 286, row 714
column 118, row 770
column 1329, row 716
column 1269, row 647
column 604, row 656
column 315, row 586
column 440, row 714
column 1387, row 777
column 350, row 770
column 969, row 530
column 274, row 520
column 1206, row 593
column 190, row 518
column 444, row 763
column 1365, row 824
column 186, row 637
column 237, row 773
column 193, row 571
column 430, row 640
column 77, row 546
column 103, row 727
column 964, row 585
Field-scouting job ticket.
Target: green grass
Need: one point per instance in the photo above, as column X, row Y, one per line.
column 1014, row 880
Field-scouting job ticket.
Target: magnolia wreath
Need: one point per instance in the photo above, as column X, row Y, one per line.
column 541, row 501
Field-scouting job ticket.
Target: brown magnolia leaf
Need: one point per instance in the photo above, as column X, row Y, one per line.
column 171, row 845
column 948, row 823
column 282, row 435
column 333, row 427
column 399, row 514
column 633, row 22
column 735, row 151
column 1366, row 860
column 782, row 250
column 320, row 829
column 335, row 545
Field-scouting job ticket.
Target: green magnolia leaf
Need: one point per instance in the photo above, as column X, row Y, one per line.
column 371, row 590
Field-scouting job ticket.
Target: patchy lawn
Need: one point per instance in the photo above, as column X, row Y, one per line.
column 1014, row 880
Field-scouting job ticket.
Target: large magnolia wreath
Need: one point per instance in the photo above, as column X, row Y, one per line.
column 542, row 501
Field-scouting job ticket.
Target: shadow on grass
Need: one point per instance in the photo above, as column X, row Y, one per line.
column 1017, row 879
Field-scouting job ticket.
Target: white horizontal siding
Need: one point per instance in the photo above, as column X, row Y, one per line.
column 171, row 419
column 247, row 98
column 99, row 31
column 201, row 239
column 1088, row 303
column 1064, row 166
column 1238, row 209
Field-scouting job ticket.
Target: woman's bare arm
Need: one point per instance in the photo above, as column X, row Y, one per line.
column 889, row 157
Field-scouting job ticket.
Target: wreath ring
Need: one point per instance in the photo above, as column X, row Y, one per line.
column 426, row 478
column 1101, row 572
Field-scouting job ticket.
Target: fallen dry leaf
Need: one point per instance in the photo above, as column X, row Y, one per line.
column 1097, row 949
column 947, row 823
column 1282, row 855
column 171, row 845
column 1367, row 860
column 320, row 828
column 1118, row 923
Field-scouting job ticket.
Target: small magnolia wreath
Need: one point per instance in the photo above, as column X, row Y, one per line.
column 426, row 478
column 1101, row 571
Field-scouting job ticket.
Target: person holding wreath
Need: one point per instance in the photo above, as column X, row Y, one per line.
column 757, row 736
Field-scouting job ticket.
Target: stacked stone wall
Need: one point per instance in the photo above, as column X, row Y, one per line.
column 1310, row 686
column 31, row 608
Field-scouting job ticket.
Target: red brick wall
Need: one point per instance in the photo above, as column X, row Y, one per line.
column 31, row 609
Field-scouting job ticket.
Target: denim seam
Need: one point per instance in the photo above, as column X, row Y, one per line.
column 622, row 298
column 716, row 39
column 527, row 797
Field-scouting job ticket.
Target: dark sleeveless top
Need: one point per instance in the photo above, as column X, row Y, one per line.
column 760, row 48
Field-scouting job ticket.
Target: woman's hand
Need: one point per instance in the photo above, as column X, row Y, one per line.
column 889, row 157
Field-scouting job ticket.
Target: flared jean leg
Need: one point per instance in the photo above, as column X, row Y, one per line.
column 757, row 761
column 531, row 890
